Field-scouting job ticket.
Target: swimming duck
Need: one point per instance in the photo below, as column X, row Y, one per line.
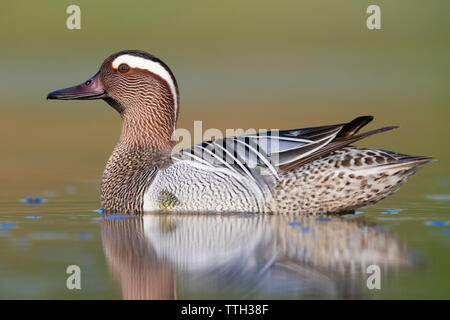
column 306, row 171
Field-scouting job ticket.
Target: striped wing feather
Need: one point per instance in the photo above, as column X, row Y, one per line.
column 277, row 151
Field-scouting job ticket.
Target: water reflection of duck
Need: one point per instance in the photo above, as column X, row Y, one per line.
column 265, row 256
column 308, row 170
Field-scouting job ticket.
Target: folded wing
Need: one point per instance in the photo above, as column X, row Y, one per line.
column 275, row 151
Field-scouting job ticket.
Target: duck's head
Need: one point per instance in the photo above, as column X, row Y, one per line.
column 138, row 85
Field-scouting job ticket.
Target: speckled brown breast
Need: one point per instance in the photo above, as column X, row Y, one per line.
column 128, row 174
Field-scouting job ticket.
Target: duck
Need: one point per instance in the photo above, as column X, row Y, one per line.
column 314, row 170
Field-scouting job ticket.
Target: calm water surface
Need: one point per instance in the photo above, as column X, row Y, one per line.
column 222, row 256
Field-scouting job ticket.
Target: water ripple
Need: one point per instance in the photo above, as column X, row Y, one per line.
column 439, row 197
column 436, row 223
column 33, row 200
column 392, row 211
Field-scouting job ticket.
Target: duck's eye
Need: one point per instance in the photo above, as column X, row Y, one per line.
column 123, row 68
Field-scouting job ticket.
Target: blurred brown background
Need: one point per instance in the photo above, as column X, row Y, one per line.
column 248, row 64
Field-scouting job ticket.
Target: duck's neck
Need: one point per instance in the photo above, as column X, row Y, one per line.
column 146, row 133
column 144, row 147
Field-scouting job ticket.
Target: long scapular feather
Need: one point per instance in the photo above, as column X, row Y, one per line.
column 278, row 151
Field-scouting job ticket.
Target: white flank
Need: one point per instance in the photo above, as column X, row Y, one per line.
column 149, row 65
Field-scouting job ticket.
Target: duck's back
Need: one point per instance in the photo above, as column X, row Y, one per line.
column 307, row 171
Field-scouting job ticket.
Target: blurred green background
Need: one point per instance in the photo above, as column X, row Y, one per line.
column 249, row 64
column 239, row 64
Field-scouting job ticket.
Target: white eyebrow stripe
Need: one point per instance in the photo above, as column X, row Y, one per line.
column 153, row 67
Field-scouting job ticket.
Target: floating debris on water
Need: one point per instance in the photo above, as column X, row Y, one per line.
column 436, row 223
column 358, row 212
column 32, row 217
column 7, row 225
column 392, row 211
column 323, row 219
column 439, row 197
column 98, row 211
column 304, row 229
column 295, row 224
column 33, row 200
